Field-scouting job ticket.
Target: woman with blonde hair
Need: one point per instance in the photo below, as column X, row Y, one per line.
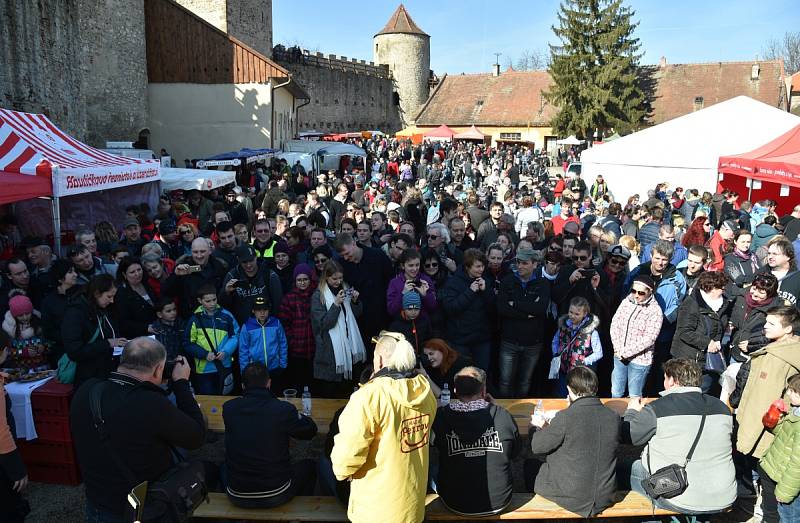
column 632, row 245
column 339, row 347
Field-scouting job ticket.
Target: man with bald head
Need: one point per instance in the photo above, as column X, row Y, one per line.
column 192, row 271
column 141, row 426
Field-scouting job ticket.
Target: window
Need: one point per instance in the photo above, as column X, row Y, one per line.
column 511, row 136
column 698, row 103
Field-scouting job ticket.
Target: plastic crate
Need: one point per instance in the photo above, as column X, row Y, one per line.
column 51, row 399
column 47, row 452
column 56, row 473
column 52, row 428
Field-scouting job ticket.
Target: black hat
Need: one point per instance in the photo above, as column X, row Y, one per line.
column 645, row 280
column 260, row 303
column 246, row 253
column 166, row 227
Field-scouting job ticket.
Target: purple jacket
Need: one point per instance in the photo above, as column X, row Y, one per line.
column 394, row 295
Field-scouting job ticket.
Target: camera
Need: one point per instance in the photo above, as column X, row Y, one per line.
column 240, row 284
column 169, row 366
column 195, row 268
column 588, row 273
column 348, row 291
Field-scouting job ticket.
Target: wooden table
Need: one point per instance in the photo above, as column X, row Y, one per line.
column 322, row 410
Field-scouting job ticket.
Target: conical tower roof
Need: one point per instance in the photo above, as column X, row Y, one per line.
column 401, row 22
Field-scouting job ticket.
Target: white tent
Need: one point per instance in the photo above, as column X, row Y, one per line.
column 684, row 152
column 570, row 140
column 200, row 179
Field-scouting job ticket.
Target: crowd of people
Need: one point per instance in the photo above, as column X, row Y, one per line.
column 424, row 270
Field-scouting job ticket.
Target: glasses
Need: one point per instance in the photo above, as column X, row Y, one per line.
column 433, row 237
column 431, row 265
column 262, row 230
column 302, row 279
column 639, row 293
column 555, row 249
column 187, row 231
column 706, row 224
column 617, row 261
column 580, row 258
column 320, row 261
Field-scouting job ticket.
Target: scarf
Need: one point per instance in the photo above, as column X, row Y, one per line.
column 714, row 305
column 747, row 257
column 751, row 303
column 348, row 348
column 470, row 406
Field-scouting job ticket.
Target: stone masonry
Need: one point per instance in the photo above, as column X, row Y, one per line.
column 247, row 20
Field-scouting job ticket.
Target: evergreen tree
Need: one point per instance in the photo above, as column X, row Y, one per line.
column 595, row 69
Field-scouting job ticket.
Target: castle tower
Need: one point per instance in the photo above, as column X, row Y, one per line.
column 247, row 20
column 406, row 49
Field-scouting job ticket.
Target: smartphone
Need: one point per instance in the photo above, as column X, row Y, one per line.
column 195, row 268
column 136, row 499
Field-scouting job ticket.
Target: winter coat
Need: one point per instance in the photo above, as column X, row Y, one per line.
column 782, row 460
column 11, row 466
column 698, row 325
column 669, row 291
column 740, row 270
column 467, row 313
column 383, row 446
column 634, row 330
column 184, row 287
column 134, row 312
column 669, row 426
column 265, row 283
column 580, row 442
column 370, row 277
column 749, row 327
column 522, row 306
column 770, row 368
column 262, row 343
column 84, row 335
column 480, row 445
column 762, row 235
column 323, row 319
column 394, row 295
column 577, row 344
column 688, row 209
column 206, row 331
column 648, row 233
column 257, row 431
column 171, row 337
column 417, row 331
column 295, row 315
column 719, row 249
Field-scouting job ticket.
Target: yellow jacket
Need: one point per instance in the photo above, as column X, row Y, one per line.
column 383, row 446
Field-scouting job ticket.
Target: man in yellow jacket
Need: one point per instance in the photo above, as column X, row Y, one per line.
column 382, row 446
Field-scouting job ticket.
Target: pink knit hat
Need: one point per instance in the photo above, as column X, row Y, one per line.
column 19, row 305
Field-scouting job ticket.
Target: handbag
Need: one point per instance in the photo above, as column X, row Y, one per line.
column 715, row 362
column 224, row 374
column 670, row 481
column 67, row 366
column 172, row 498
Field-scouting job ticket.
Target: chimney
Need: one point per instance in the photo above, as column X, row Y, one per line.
column 662, row 64
column 495, row 69
column 754, row 71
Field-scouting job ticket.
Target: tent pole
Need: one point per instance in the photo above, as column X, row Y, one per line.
column 56, row 206
column 750, row 190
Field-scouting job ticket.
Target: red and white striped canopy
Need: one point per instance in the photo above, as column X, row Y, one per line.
column 30, row 144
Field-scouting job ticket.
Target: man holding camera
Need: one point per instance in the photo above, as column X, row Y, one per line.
column 192, row 271
column 580, row 279
column 247, row 281
column 141, row 426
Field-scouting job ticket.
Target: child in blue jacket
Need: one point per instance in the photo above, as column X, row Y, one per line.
column 262, row 339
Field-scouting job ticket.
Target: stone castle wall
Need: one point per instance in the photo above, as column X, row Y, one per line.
column 247, row 20
column 82, row 63
column 346, row 94
column 409, row 58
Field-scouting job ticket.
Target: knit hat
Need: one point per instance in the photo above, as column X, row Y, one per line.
column 302, row 268
column 19, row 305
column 645, row 280
column 280, row 247
column 411, row 300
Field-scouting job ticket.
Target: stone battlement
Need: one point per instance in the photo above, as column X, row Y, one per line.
column 297, row 55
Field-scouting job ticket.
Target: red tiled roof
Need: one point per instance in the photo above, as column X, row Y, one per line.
column 795, row 82
column 401, row 22
column 511, row 99
column 679, row 84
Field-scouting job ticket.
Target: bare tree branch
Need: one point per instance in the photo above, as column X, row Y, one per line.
column 788, row 48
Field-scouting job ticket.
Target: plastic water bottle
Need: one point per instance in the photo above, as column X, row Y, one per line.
column 306, row 401
column 538, row 410
column 444, row 398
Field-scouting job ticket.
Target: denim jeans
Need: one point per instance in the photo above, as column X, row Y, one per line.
column 480, row 353
column 95, row 514
column 638, row 474
column 631, row 375
column 206, row 384
column 790, row 511
column 517, row 364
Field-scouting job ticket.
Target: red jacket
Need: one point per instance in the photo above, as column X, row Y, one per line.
column 719, row 248
column 558, row 190
column 295, row 316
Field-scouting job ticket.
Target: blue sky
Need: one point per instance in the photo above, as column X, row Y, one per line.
column 466, row 33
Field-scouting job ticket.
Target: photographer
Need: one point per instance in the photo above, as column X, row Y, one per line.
column 142, row 427
column 247, row 281
column 580, row 279
column 193, row 271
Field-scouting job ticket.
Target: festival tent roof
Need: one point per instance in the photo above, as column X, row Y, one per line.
column 570, row 140
column 31, row 145
column 18, row 187
column 685, row 151
column 473, row 133
column 236, row 157
column 440, row 132
column 200, row 179
column 323, row 148
column 777, row 161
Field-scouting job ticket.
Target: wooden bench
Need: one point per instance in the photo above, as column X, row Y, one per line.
column 322, row 410
column 327, row 508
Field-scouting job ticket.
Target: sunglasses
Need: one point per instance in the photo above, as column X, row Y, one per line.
column 320, row 261
column 433, row 237
column 617, row 261
column 580, row 258
column 188, row 231
column 639, row 293
column 555, row 249
column 431, row 265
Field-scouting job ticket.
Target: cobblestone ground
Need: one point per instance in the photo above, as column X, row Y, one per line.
column 64, row 504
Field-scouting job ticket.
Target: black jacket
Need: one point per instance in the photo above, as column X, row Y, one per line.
column 53, row 309
column 697, row 325
column 417, row 332
column 257, row 431
column 475, row 454
column 84, row 335
column 739, row 270
column 133, row 311
column 468, row 314
column 749, row 328
column 370, row 277
column 564, row 291
column 581, row 448
column 142, row 425
column 522, row 308
column 240, row 302
column 185, row 287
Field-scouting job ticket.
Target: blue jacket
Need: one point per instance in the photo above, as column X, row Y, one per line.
column 220, row 329
column 678, row 256
column 264, row 343
column 670, row 291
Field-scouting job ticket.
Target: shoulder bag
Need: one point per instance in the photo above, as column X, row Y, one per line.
column 670, row 481
column 174, row 497
column 224, row 374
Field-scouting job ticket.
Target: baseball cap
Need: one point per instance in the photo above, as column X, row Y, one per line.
column 129, row 223
column 260, row 303
column 246, row 253
column 619, row 250
column 525, row 254
column 731, row 224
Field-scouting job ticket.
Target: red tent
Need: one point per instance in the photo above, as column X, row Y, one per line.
column 440, row 132
column 18, row 187
column 772, row 165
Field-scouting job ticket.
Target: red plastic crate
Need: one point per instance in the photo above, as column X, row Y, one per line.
column 47, row 452
column 52, row 428
column 51, row 399
column 57, row 473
